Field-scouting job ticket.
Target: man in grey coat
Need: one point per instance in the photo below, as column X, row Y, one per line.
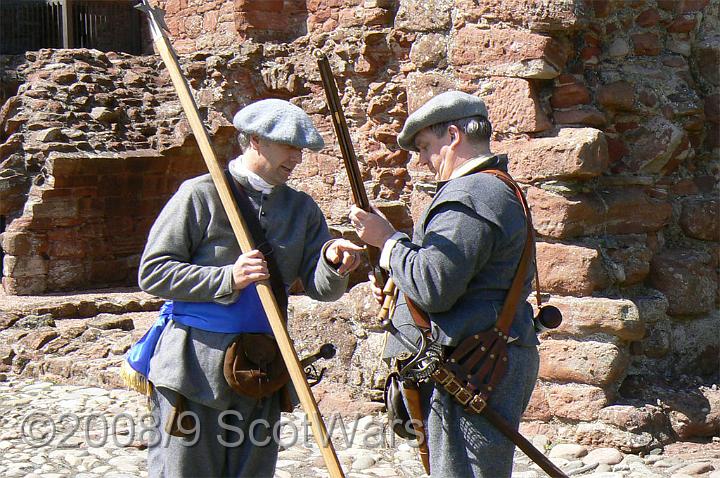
column 458, row 268
column 193, row 260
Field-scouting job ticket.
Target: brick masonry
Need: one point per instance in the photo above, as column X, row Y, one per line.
column 608, row 111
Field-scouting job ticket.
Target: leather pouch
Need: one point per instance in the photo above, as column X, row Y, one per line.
column 254, row 367
column 398, row 414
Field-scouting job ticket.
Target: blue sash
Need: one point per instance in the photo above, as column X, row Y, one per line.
column 245, row 315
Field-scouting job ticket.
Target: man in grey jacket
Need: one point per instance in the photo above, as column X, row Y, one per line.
column 458, row 267
column 193, row 260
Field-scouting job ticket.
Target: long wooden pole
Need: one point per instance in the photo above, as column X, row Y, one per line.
column 275, row 317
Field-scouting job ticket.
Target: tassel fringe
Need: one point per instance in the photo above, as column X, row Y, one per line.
column 134, row 380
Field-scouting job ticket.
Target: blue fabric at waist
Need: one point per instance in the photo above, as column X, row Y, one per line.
column 246, row 315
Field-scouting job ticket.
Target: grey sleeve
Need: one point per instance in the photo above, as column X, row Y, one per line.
column 436, row 273
column 166, row 268
column 320, row 279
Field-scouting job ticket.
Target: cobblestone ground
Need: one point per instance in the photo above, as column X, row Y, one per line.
column 53, row 431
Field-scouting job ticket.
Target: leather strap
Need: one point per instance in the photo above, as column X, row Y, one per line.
column 507, row 314
column 257, row 233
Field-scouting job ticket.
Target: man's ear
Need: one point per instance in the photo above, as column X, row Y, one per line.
column 454, row 135
column 254, row 141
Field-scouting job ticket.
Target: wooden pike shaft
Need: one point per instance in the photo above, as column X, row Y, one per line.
column 275, row 317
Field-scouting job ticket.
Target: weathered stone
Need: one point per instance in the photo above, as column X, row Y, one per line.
column 35, row 321
column 101, row 113
column 700, row 218
column 584, row 116
column 619, row 48
column 608, row 456
column 584, row 316
column 36, row 340
column 421, row 87
column 656, row 147
column 573, row 94
column 630, row 259
column 593, row 363
column 576, row 402
column 707, row 58
column 110, row 321
column 687, row 279
column 570, row 270
column 8, row 319
column 648, row 18
column 608, row 211
column 609, row 436
column 682, row 24
column 423, row 15
column 577, row 153
column 646, row 44
column 568, row 451
column 534, row 15
column 430, row 51
column 619, row 95
column 499, row 52
column 513, row 105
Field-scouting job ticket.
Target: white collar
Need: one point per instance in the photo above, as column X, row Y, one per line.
column 470, row 165
column 239, row 170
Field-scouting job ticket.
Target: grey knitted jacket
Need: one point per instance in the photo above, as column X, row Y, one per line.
column 461, row 261
column 189, row 256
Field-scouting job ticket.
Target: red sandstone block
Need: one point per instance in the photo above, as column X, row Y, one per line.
column 545, row 16
column 687, row 278
column 577, row 153
column 683, row 24
column 584, row 316
column 24, row 266
column 648, row 18
column 513, row 106
column 590, row 362
column 505, row 52
column 607, row 211
column 700, row 218
column 619, row 95
column 24, row 285
column 584, row 115
column 570, row 95
column 646, row 44
column 22, row 243
column 687, row 6
column 570, row 270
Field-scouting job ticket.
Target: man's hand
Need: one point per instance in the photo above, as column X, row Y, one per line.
column 373, row 228
column 250, row 267
column 345, row 253
column 377, row 292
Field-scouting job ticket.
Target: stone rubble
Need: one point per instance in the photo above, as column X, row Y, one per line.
column 52, row 430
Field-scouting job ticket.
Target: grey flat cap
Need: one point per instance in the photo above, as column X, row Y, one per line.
column 448, row 106
column 279, row 121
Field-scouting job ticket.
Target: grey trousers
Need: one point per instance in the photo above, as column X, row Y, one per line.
column 464, row 445
column 222, row 445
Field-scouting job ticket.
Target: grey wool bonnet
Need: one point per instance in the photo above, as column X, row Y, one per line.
column 279, row 121
column 448, row 106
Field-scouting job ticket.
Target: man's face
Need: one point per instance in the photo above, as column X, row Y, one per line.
column 275, row 162
column 432, row 149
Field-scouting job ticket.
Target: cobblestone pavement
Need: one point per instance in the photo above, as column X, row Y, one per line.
column 54, row 431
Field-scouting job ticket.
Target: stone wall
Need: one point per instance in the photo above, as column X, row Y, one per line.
column 609, row 111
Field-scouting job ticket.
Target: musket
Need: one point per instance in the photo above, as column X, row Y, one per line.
column 360, row 199
column 269, row 303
